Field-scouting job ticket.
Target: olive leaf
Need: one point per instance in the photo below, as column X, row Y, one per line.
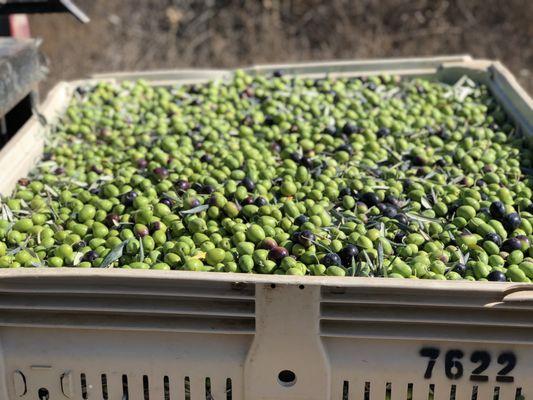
column 55, row 217
column 21, row 212
column 420, row 218
column 196, row 210
column 433, row 196
column 380, row 266
column 83, row 184
column 14, row 251
column 425, row 202
column 424, row 234
column 456, row 180
column 354, row 269
column 141, row 251
column 382, row 229
column 7, row 214
column 430, row 175
column 50, row 191
column 77, row 258
column 369, row 261
column 114, row 254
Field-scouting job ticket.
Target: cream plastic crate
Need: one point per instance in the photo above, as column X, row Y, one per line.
column 154, row 335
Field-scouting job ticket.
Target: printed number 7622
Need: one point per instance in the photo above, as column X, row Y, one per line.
column 453, row 367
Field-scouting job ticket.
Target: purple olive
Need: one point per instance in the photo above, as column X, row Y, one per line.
column 306, row 238
column 278, row 253
column 260, row 201
column 155, row 226
column 166, row 201
column 268, row 244
column 141, row 231
column 161, row 172
column 112, row 220
column 183, row 185
column 247, row 200
column 142, row 163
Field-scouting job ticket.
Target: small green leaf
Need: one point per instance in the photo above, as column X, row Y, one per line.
column 369, row 261
column 354, row 267
column 381, row 267
column 114, row 254
column 141, row 251
column 425, row 202
column 420, row 218
column 50, row 191
column 77, row 258
column 7, row 214
column 14, row 251
column 196, row 210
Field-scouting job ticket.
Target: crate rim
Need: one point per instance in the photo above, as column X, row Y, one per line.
column 80, row 274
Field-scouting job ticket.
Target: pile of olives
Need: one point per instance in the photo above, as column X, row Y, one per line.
column 278, row 174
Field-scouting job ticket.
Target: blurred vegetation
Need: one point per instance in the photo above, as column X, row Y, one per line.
column 151, row 34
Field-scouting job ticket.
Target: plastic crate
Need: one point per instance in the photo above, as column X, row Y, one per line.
column 138, row 335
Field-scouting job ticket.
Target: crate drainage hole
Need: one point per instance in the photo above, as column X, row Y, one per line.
column 286, row 378
column 228, row 389
column 125, row 392
column 104, row 386
column 187, row 388
column 146, row 388
column 208, row 395
column 43, row 394
column 166, row 387
column 83, row 380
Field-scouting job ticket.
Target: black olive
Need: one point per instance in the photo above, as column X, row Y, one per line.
column 402, row 219
column 511, row 244
column 382, row 132
column 497, row 210
column 511, row 221
column 347, row 254
column 127, row 198
column 331, row 259
column 460, row 269
column 496, row 276
column 349, row 128
column 248, row 183
column 90, row 256
column 306, row 238
column 370, row 199
column 260, row 201
column 493, row 237
column 301, row 219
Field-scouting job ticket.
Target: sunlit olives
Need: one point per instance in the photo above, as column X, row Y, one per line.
column 275, row 174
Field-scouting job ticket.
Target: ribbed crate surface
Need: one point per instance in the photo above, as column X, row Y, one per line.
column 110, row 335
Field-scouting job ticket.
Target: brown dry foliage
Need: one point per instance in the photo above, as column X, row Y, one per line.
column 151, row 34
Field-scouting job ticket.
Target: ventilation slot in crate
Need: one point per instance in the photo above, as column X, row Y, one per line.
column 372, row 390
column 173, row 388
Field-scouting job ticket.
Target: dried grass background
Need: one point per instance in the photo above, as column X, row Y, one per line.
column 151, row 34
